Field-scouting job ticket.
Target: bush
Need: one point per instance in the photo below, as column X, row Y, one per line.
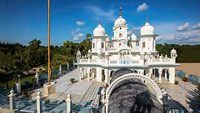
column 176, row 82
column 47, row 101
column 185, row 79
column 72, row 80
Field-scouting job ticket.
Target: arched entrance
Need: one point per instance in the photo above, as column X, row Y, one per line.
column 152, row 86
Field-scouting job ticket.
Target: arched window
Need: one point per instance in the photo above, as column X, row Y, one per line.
column 102, row 45
column 143, row 44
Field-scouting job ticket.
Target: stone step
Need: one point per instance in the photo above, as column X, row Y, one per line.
column 91, row 92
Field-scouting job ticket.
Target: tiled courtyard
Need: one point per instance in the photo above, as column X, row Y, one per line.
column 180, row 92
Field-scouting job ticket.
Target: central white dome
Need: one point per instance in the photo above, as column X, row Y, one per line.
column 147, row 29
column 120, row 21
column 99, row 31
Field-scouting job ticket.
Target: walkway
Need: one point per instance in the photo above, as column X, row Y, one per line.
column 64, row 87
column 180, row 92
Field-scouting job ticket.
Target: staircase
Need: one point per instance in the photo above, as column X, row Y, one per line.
column 91, row 94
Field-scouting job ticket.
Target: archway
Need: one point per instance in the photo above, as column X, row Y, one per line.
column 151, row 85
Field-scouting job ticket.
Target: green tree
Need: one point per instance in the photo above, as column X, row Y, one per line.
column 34, row 54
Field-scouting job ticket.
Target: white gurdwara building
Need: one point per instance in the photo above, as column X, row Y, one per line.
column 137, row 53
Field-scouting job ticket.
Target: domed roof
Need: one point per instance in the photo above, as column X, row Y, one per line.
column 120, row 21
column 78, row 53
column 173, row 51
column 147, row 29
column 99, row 31
column 133, row 36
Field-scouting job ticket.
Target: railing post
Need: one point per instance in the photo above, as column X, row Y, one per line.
column 68, row 104
column 39, row 102
column 11, row 99
column 37, row 78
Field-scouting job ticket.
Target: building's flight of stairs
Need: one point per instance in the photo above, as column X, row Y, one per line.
column 91, row 94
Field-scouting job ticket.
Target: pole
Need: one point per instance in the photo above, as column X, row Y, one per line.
column 49, row 73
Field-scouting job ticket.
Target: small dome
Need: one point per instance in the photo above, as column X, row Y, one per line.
column 78, row 53
column 99, row 31
column 173, row 51
column 89, row 51
column 11, row 91
column 147, row 29
column 120, row 21
column 133, row 37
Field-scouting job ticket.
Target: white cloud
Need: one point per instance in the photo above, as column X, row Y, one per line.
column 142, row 7
column 173, row 33
column 77, row 29
column 77, row 36
column 197, row 26
column 80, row 23
column 100, row 13
column 184, row 27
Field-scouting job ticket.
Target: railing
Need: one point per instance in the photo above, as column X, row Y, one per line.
column 161, row 61
column 128, row 61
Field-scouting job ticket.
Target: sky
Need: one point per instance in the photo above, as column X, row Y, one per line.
column 175, row 21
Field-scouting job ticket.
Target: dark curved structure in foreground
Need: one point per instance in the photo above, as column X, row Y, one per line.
column 132, row 96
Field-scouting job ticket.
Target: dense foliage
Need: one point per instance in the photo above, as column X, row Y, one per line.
column 186, row 53
column 17, row 58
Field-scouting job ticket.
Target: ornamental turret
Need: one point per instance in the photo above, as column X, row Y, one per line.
column 173, row 53
column 147, row 38
column 78, row 55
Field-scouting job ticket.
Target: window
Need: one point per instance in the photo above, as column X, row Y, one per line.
column 93, row 45
column 102, row 45
column 143, row 44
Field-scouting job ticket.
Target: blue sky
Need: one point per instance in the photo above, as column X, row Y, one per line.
column 175, row 21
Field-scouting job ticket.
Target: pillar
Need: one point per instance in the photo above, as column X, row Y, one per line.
column 165, row 73
column 18, row 86
column 142, row 71
column 172, row 75
column 150, row 72
column 92, row 75
column 106, row 103
column 98, row 74
column 160, row 75
column 103, row 99
column 11, row 99
column 80, row 73
column 106, row 75
column 67, row 66
column 88, row 73
column 69, row 104
column 39, row 102
column 60, row 69
column 37, row 78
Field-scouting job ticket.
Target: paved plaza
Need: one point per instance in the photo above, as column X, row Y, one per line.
column 180, row 92
column 80, row 91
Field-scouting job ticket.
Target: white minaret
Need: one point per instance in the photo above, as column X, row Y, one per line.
column 99, row 39
column 147, row 38
column 120, row 31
